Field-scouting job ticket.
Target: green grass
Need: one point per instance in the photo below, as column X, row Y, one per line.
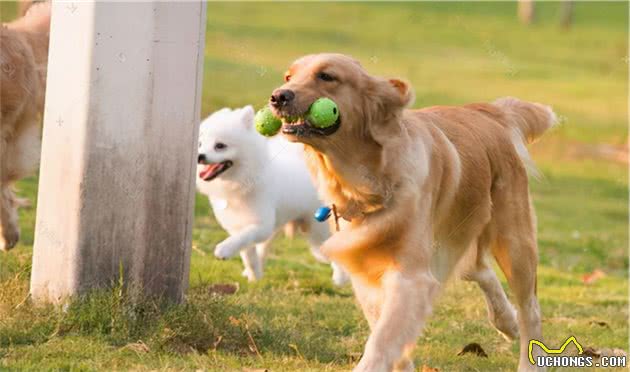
column 294, row 319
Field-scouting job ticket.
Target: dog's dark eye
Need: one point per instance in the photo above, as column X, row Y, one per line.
column 287, row 78
column 325, row 77
column 219, row 146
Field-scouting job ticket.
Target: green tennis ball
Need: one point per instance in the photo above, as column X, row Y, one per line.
column 266, row 123
column 323, row 113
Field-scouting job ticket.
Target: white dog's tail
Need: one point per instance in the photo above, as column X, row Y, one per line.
column 527, row 121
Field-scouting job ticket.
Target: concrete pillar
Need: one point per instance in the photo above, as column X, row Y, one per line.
column 116, row 187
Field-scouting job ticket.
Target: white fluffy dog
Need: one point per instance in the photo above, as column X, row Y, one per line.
column 256, row 186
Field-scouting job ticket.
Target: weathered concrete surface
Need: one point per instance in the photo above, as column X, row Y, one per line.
column 116, row 184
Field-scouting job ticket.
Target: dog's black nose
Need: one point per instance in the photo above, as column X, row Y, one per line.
column 281, row 97
column 201, row 159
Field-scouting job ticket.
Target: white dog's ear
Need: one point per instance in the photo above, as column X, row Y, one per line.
column 205, row 123
column 247, row 116
column 222, row 111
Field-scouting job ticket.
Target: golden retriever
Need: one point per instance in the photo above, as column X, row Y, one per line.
column 23, row 59
column 423, row 194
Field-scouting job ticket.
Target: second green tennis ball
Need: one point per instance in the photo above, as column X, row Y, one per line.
column 266, row 123
column 323, row 113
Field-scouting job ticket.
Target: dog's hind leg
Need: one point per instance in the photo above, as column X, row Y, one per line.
column 262, row 250
column 522, row 281
column 501, row 313
column 516, row 252
column 254, row 259
column 253, row 266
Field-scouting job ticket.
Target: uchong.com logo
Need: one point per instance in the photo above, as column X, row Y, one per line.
column 555, row 359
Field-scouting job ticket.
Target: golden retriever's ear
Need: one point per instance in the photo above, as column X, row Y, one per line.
column 389, row 98
column 391, row 95
column 404, row 91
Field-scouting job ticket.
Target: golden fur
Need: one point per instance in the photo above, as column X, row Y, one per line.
column 426, row 193
column 23, row 57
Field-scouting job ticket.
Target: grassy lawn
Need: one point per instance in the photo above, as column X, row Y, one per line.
column 294, row 319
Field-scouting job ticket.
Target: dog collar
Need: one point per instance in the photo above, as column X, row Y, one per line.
column 323, row 213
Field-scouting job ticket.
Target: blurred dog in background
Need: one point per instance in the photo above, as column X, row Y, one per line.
column 23, row 62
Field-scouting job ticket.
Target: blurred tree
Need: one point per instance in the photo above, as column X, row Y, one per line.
column 526, row 11
column 566, row 14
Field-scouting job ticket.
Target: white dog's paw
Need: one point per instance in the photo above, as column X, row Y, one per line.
column 339, row 277
column 251, row 275
column 224, row 250
column 319, row 256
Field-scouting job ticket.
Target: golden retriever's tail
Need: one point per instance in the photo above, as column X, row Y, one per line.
column 527, row 121
column 531, row 119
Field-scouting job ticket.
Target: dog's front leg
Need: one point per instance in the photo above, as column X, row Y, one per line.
column 388, row 258
column 408, row 299
column 245, row 238
column 9, row 228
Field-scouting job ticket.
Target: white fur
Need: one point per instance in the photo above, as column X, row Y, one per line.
column 518, row 140
column 267, row 187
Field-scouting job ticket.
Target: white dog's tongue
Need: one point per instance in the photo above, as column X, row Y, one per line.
column 208, row 171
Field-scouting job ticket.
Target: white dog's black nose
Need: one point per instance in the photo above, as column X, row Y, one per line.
column 281, row 97
column 201, row 159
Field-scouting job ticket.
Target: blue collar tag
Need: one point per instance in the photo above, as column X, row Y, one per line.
column 322, row 214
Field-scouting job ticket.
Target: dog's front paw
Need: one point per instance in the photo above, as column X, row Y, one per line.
column 9, row 240
column 367, row 365
column 224, row 250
